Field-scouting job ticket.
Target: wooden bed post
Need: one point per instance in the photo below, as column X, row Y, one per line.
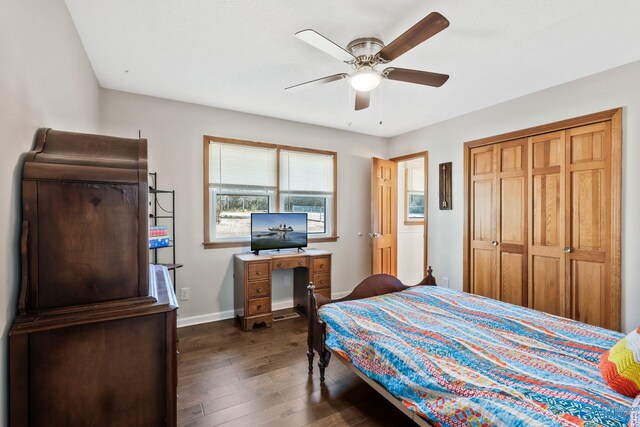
column 429, row 280
column 310, row 315
column 317, row 333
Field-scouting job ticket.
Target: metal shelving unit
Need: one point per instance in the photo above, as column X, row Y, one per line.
column 157, row 203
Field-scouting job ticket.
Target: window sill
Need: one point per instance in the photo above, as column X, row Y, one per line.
column 243, row 243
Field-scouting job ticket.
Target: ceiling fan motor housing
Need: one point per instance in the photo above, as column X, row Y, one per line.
column 365, row 50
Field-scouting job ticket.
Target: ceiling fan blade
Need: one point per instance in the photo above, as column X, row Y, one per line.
column 362, row 100
column 415, row 76
column 319, row 41
column 431, row 25
column 318, row 82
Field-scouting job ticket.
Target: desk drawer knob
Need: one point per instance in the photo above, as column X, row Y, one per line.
column 259, row 272
column 321, row 265
column 322, row 282
column 259, row 307
column 279, row 264
column 258, row 289
column 300, row 263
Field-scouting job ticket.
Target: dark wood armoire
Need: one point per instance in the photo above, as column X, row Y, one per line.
column 94, row 342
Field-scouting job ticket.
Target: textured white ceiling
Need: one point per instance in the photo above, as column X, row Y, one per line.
column 241, row 54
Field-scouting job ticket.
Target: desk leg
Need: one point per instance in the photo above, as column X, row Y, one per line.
column 249, row 322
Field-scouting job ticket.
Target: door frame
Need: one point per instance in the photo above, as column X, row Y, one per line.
column 425, row 155
column 613, row 115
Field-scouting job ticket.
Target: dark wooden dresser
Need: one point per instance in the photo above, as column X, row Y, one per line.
column 94, row 342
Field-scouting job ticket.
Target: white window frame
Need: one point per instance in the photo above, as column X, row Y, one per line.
column 328, row 198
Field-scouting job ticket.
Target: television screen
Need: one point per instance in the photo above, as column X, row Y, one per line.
column 278, row 231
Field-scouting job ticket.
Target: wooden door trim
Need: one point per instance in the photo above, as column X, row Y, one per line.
column 425, row 155
column 601, row 116
column 616, row 214
column 613, row 115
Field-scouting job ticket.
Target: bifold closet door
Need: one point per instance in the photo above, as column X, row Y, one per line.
column 483, row 240
column 512, row 221
column 547, row 291
column 570, row 225
column 588, row 231
column 498, row 222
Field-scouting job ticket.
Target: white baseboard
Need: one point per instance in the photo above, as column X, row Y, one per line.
column 204, row 318
column 228, row 314
column 336, row 295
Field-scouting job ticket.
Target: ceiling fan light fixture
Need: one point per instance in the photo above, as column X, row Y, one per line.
column 365, row 80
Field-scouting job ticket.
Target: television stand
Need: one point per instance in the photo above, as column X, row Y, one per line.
column 252, row 282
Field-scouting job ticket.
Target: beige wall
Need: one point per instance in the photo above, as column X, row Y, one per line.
column 45, row 81
column 619, row 87
column 175, row 130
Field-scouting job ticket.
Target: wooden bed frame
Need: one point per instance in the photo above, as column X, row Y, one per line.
column 378, row 284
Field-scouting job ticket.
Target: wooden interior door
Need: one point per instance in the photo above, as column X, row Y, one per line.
column 384, row 216
column 512, row 221
column 483, row 221
column 546, row 206
column 588, row 231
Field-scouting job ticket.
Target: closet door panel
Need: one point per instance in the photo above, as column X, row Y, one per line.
column 588, row 231
column 546, row 210
column 588, row 296
column 512, row 199
column 512, row 277
column 483, row 233
column 484, row 273
column 484, row 214
column 512, row 218
column 547, row 289
column 588, row 210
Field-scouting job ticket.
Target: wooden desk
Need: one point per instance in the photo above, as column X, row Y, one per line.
column 252, row 282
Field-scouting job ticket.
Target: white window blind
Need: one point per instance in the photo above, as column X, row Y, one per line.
column 308, row 173
column 242, row 166
column 415, row 176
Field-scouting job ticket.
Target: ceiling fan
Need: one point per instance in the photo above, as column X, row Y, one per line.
column 365, row 54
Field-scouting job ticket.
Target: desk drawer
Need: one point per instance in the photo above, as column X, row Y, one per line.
column 259, row 306
column 321, row 265
column 258, row 271
column 289, row 262
column 259, row 289
column 322, row 280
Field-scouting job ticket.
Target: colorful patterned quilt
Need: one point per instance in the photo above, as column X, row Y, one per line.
column 459, row 359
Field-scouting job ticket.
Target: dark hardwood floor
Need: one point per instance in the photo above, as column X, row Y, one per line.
column 233, row 378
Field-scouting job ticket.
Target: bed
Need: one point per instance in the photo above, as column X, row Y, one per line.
column 449, row 358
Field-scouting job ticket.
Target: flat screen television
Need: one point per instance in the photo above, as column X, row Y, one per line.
column 271, row 231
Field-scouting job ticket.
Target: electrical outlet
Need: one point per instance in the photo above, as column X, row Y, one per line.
column 184, row 294
column 445, row 282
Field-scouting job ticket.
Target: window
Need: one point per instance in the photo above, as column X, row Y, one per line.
column 414, row 192
column 306, row 186
column 242, row 177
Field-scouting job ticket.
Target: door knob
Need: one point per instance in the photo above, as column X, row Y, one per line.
column 494, row 243
column 568, row 250
column 374, row 235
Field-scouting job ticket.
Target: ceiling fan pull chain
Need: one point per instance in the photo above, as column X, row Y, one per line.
column 380, row 104
column 349, row 109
